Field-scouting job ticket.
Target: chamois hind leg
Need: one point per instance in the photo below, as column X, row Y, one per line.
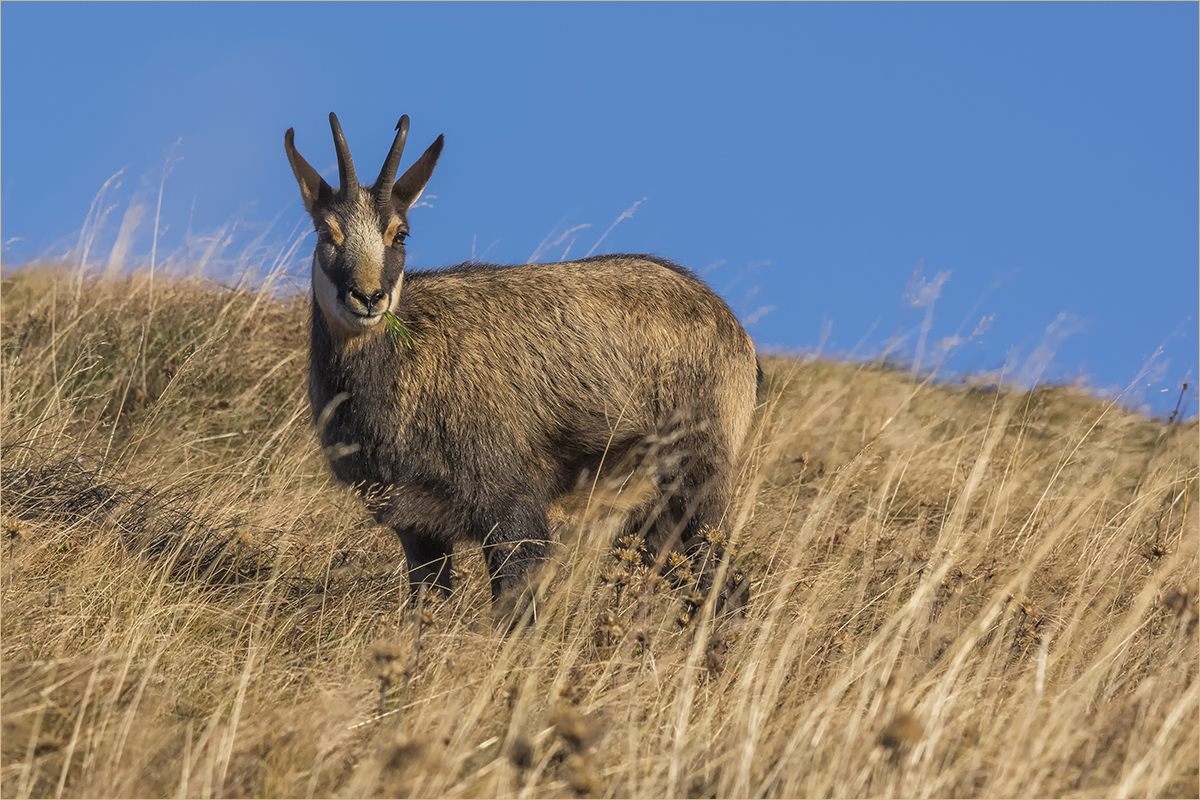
column 514, row 548
column 696, row 495
column 695, row 523
column 428, row 561
column 705, row 494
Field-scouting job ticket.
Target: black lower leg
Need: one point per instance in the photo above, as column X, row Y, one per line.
column 428, row 561
column 514, row 549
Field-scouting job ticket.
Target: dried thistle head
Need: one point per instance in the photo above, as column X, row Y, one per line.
column 639, row 575
column 388, row 659
column 631, row 542
column 610, row 626
column 1153, row 551
column 405, row 761
column 714, row 536
column 714, row 654
column 1032, row 615
column 16, row 528
column 953, row 578
column 614, row 576
column 582, row 776
column 520, row 752
column 837, row 643
column 676, row 560
column 903, row 731
column 574, row 727
column 403, row 752
column 607, row 632
column 989, row 570
column 628, row 555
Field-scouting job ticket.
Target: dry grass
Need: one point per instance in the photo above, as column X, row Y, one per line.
column 952, row 592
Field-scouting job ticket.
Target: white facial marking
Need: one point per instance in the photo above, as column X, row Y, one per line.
column 341, row 322
column 364, row 243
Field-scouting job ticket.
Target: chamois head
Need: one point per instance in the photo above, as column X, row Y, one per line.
column 358, row 266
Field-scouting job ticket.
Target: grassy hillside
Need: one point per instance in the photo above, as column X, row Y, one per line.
column 952, row 592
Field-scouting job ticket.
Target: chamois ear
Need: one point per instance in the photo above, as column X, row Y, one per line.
column 313, row 188
column 408, row 189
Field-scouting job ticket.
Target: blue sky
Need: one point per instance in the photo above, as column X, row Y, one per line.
column 846, row 176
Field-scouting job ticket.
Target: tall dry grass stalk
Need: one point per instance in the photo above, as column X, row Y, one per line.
column 951, row 592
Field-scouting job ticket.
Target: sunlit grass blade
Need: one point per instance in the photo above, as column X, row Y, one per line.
column 399, row 332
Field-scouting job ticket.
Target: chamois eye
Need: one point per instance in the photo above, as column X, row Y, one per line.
column 330, row 232
column 399, row 240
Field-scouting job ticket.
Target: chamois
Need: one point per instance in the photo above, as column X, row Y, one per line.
column 506, row 384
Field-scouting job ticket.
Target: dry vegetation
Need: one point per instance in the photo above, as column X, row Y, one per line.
column 952, row 592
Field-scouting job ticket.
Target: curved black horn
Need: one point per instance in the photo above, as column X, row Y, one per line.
column 346, row 174
column 383, row 184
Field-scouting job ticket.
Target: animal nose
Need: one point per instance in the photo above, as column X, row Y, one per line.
column 369, row 300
